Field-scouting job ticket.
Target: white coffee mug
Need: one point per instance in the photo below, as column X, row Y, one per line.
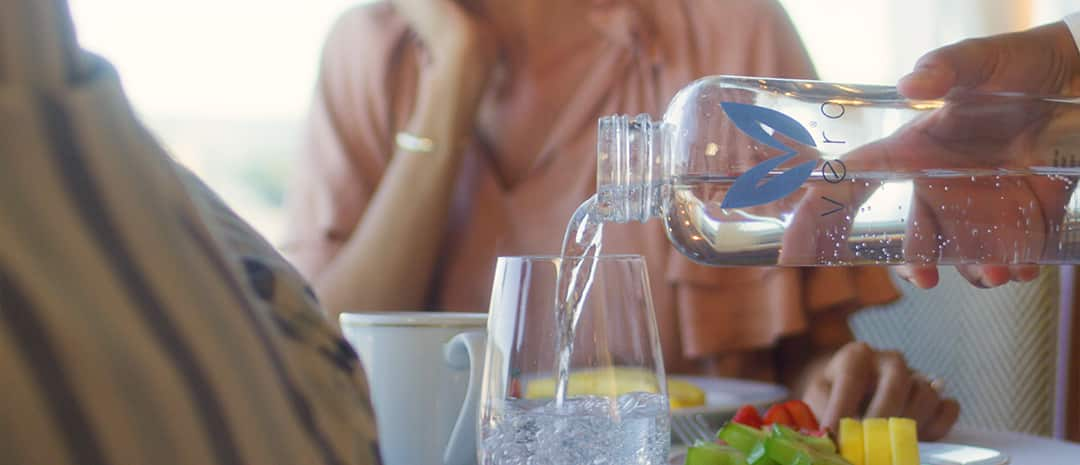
column 424, row 370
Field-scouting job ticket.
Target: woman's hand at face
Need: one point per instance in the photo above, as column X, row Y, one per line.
column 461, row 45
column 862, row 382
column 448, row 29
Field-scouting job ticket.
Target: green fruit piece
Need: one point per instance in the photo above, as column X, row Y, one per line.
column 758, row 455
column 788, row 452
column 707, row 453
column 823, row 444
column 740, row 436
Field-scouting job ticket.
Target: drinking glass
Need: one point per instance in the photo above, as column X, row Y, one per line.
column 616, row 409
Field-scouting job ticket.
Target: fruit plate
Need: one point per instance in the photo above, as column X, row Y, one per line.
column 723, row 396
column 930, row 453
column 936, row 453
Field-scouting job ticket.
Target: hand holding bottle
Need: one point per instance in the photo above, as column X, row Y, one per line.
column 1041, row 61
column 972, row 197
column 994, row 218
column 976, row 170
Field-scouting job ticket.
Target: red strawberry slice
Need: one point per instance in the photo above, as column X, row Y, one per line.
column 802, row 415
column 818, row 433
column 748, row 415
column 777, row 414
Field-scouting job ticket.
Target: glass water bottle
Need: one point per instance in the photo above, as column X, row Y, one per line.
column 748, row 171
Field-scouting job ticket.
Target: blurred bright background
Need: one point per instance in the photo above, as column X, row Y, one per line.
column 225, row 84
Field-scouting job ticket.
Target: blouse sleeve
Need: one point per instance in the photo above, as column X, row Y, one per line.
column 346, row 144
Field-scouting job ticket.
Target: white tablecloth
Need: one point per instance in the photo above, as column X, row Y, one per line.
column 1022, row 449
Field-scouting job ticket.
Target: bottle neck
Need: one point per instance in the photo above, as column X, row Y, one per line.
column 630, row 168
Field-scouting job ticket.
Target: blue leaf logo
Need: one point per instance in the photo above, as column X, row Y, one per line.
column 748, row 190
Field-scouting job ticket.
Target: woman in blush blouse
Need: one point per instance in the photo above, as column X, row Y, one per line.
column 446, row 133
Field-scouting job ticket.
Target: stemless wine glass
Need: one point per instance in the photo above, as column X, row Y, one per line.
column 616, row 409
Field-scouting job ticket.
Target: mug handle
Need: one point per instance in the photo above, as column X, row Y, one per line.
column 465, row 351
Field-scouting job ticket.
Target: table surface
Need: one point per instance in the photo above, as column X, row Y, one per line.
column 1022, row 449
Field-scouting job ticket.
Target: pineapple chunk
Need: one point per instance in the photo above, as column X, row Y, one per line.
column 877, row 443
column 614, row 382
column 851, row 440
column 905, row 441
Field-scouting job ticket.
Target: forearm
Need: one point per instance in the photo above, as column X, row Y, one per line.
column 388, row 261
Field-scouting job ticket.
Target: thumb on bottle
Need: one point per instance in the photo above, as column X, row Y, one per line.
column 927, row 82
column 968, row 64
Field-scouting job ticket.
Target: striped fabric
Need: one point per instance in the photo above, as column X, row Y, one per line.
column 141, row 322
column 996, row 349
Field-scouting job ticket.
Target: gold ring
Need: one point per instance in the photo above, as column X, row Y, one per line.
column 937, row 384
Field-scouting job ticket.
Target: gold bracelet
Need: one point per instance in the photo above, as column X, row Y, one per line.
column 413, row 143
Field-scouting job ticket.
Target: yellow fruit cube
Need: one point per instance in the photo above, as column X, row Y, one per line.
column 877, row 443
column 852, row 446
column 905, row 441
column 614, row 382
column 684, row 394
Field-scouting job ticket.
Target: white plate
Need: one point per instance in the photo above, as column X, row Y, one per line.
column 725, row 395
column 930, row 453
column 936, row 453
